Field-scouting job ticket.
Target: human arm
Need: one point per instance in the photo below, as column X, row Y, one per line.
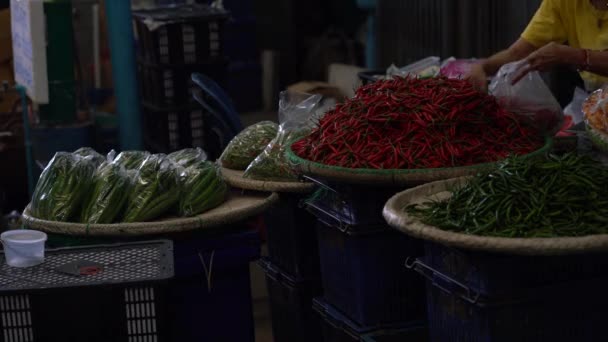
column 552, row 55
column 488, row 67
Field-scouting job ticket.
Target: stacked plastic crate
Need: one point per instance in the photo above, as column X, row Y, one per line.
column 292, row 270
column 174, row 42
column 366, row 289
column 244, row 80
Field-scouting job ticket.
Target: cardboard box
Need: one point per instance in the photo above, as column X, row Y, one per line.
column 314, row 87
column 6, row 46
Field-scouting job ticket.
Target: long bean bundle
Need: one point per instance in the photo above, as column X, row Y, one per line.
column 203, row 189
column 62, row 187
column 410, row 123
column 107, row 201
column 554, row 197
column 156, row 190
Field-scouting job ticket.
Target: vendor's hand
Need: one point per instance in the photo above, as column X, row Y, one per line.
column 478, row 77
column 543, row 59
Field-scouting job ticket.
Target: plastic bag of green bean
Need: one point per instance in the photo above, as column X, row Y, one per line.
column 296, row 115
column 188, row 157
column 248, row 144
column 110, row 194
column 131, row 160
column 156, row 189
column 90, row 153
column 203, row 189
column 62, row 187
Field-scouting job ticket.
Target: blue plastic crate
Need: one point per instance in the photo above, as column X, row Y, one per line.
column 559, row 313
column 211, row 292
column 350, row 204
column 293, row 319
column 338, row 328
column 488, row 274
column 292, row 238
column 363, row 274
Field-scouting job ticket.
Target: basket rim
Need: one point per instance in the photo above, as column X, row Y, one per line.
column 394, row 176
column 237, row 208
column 402, row 221
column 235, row 179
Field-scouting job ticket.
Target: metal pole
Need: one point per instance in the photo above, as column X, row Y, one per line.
column 126, row 90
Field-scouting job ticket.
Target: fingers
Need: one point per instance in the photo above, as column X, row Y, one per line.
column 522, row 73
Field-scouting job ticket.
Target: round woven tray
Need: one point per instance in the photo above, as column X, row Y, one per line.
column 397, row 177
column 396, row 216
column 237, row 208
column 235, row 179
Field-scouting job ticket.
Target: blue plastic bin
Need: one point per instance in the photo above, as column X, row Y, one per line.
column 350, row 204
column 210, row 295
column 293, row 319
column 487, row 274
column 338, row 328
column 292, row 238
column 363, row 274
column 559, row 313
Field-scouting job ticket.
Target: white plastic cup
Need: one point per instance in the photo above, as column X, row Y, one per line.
column 23, row 248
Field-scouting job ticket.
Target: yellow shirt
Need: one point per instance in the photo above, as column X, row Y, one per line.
column 575, row 22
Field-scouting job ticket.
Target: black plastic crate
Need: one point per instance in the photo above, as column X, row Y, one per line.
column 124, row 297
column 170, row 86
column 292, row 238
column 338, row 328
column 350, row 204
column 210, row 296
column 293, row 319
column 181, row 34
column 489, row 274
column 363, row 274
column 167, row 130
column 566, row 312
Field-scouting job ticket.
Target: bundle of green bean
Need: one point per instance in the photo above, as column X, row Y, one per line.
column 131, row 160
column 555, row 197
column 62, row 187
column 203, row 189
column 188, row 157
column 156, row 190
column 91, row 154
column 110, row 193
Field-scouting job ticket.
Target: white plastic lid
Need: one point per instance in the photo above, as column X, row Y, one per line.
column 23, row 236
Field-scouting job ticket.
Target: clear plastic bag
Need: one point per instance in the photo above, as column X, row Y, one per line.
column 595, row 109
column 456, row 68
column 248, row 144
column 109, row 196
column 427, row 67
column 155, row 191
column 131, row 160
column 91, row 154
column 188, row 157
column 575, row 108
column 203, row 189
column 530, row 97
column 297, row 117
column 62, row 187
